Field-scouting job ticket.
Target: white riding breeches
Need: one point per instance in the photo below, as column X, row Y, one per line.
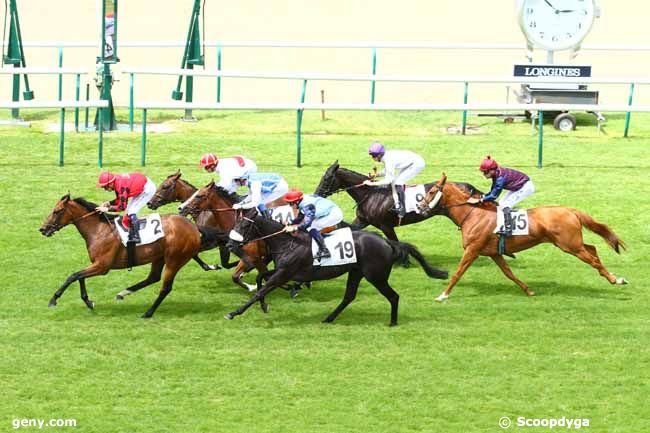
column 513, row 197
column 409, row 173
column 141, row 200
column 334, row 217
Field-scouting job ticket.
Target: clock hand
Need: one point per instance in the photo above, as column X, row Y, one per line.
column 565, row 11
column 549, row 3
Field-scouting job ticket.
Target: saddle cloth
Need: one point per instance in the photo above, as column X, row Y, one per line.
column 150, row 229
column 519, row 221
column 413, row 194
column 341, row 246
column 282, row 214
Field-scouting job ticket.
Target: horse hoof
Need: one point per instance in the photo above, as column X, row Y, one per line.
column 621, row 280
column 213, row 267
column 91, row 305
column 442, row 298
column 229, row 316
column 52, row 304
column 393, row 324
column 251, row 288
column 294, row 293
column 530, row 293
column 146, row 316
column 265, row 308
column 119, row 298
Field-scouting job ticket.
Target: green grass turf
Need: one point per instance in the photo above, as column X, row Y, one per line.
column 579, row 349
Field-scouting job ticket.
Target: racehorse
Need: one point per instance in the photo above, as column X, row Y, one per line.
column 292, row 255
column 558, row 225
column 182, row 241
column 217, row 201
column 374, row 204
column 175, row 189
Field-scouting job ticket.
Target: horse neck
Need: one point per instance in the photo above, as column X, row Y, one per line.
column 224, row 220
column 453, row 200
column 268, row 227
column 348, row 178
column 184, row 190
column 89, row 227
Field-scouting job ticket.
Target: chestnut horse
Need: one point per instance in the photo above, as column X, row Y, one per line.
column 175, row 189
column 556, row 224
column 182, row 241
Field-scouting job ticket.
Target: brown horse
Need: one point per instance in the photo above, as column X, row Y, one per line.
column 559, row 225
column 175, row 189
column 216, row 200
column 182, row 241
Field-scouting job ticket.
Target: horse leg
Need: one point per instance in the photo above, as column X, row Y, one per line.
column 168, row 280
column 153, row 277
column 224, row 256
column 84, row 295
column 389, row 232
column 587, row 253
column 465, row 262
column 354, row 278
column 279, row 277
column 204, row 265
column 503, row 265
column 240, row 270
column 90, row 271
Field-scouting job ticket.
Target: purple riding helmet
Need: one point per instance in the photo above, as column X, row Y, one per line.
column 376, row 148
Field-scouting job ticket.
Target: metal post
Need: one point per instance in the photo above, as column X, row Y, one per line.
column 218, row 78
column 131, row 101
column 374, row 71
column 627, row 115
column 87, row 108
column 100, row 128
column 144, row 136
column 540, row 138
column 464, row 125
column 76, row 97
column 299, row 125
column 61, row 137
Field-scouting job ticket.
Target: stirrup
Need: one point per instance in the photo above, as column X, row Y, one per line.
column 323, row 253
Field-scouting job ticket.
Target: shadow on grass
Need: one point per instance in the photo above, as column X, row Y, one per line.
column 544, row 289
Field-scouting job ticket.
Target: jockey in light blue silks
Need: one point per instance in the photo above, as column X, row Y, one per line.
column 263, row 188
column 399, row 167
column 316, row 213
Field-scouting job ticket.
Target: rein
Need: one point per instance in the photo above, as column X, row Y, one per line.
column 267, row 236
column 346, row 188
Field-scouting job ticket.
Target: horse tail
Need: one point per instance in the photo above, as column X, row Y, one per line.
column 211, row 237
column 600, row 229
column 401, row 253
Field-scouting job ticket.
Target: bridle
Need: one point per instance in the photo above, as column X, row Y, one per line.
column 257, row 230
column 442, row 207
column 56, row 225
column 160, row 197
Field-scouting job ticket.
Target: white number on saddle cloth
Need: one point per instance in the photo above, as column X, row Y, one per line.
column 282, row 214
column 413, row 194
column 151, row 232
column 341, row 246
column 519, row 221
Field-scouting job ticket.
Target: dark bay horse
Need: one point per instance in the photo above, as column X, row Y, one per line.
column 292, row 255
column 174, row 189
column 558, row 225
column 374, row 204
column 182, row 241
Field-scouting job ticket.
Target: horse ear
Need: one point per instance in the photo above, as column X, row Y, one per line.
column 177, row 174
column 443, row 179
column 66, row 197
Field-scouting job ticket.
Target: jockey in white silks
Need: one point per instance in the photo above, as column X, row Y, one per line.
column 229, row 169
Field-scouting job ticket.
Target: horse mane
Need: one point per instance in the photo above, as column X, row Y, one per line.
column 347, row 170
column 468, row 188
column 90, row 206
column 179, row 178
column 223, row 193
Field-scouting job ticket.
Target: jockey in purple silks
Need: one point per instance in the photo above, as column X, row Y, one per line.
column 518, row 185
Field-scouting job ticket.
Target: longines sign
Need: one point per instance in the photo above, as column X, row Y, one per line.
column 552, row 71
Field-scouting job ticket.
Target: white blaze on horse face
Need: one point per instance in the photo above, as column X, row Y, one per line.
column 235, row 236
column 435, row 200
column 188, row 200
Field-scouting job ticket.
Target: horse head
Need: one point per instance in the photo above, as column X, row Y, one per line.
column 61, row 215
column 198, row 202
column 433, row 196
column 167, row 192
column 329, row 182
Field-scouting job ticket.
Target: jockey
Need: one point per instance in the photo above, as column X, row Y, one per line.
column 263, row 188
column 518, row 185
column 128, row 185
column 315, row 214
column 228, row 169
column 399, row 167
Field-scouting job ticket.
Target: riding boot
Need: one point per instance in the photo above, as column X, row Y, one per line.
column 323, row 252
column 400, row 206
column 134, row 238
column 507, row 222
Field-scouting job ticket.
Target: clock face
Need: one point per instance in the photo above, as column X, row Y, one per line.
column 556, row 24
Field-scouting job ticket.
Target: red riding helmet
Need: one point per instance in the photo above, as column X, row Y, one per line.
column 488, row 164
column 105, row 178
column 293, row 196
column 209, row 160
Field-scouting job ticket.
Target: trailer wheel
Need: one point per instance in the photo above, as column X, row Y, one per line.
column 565, row 122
